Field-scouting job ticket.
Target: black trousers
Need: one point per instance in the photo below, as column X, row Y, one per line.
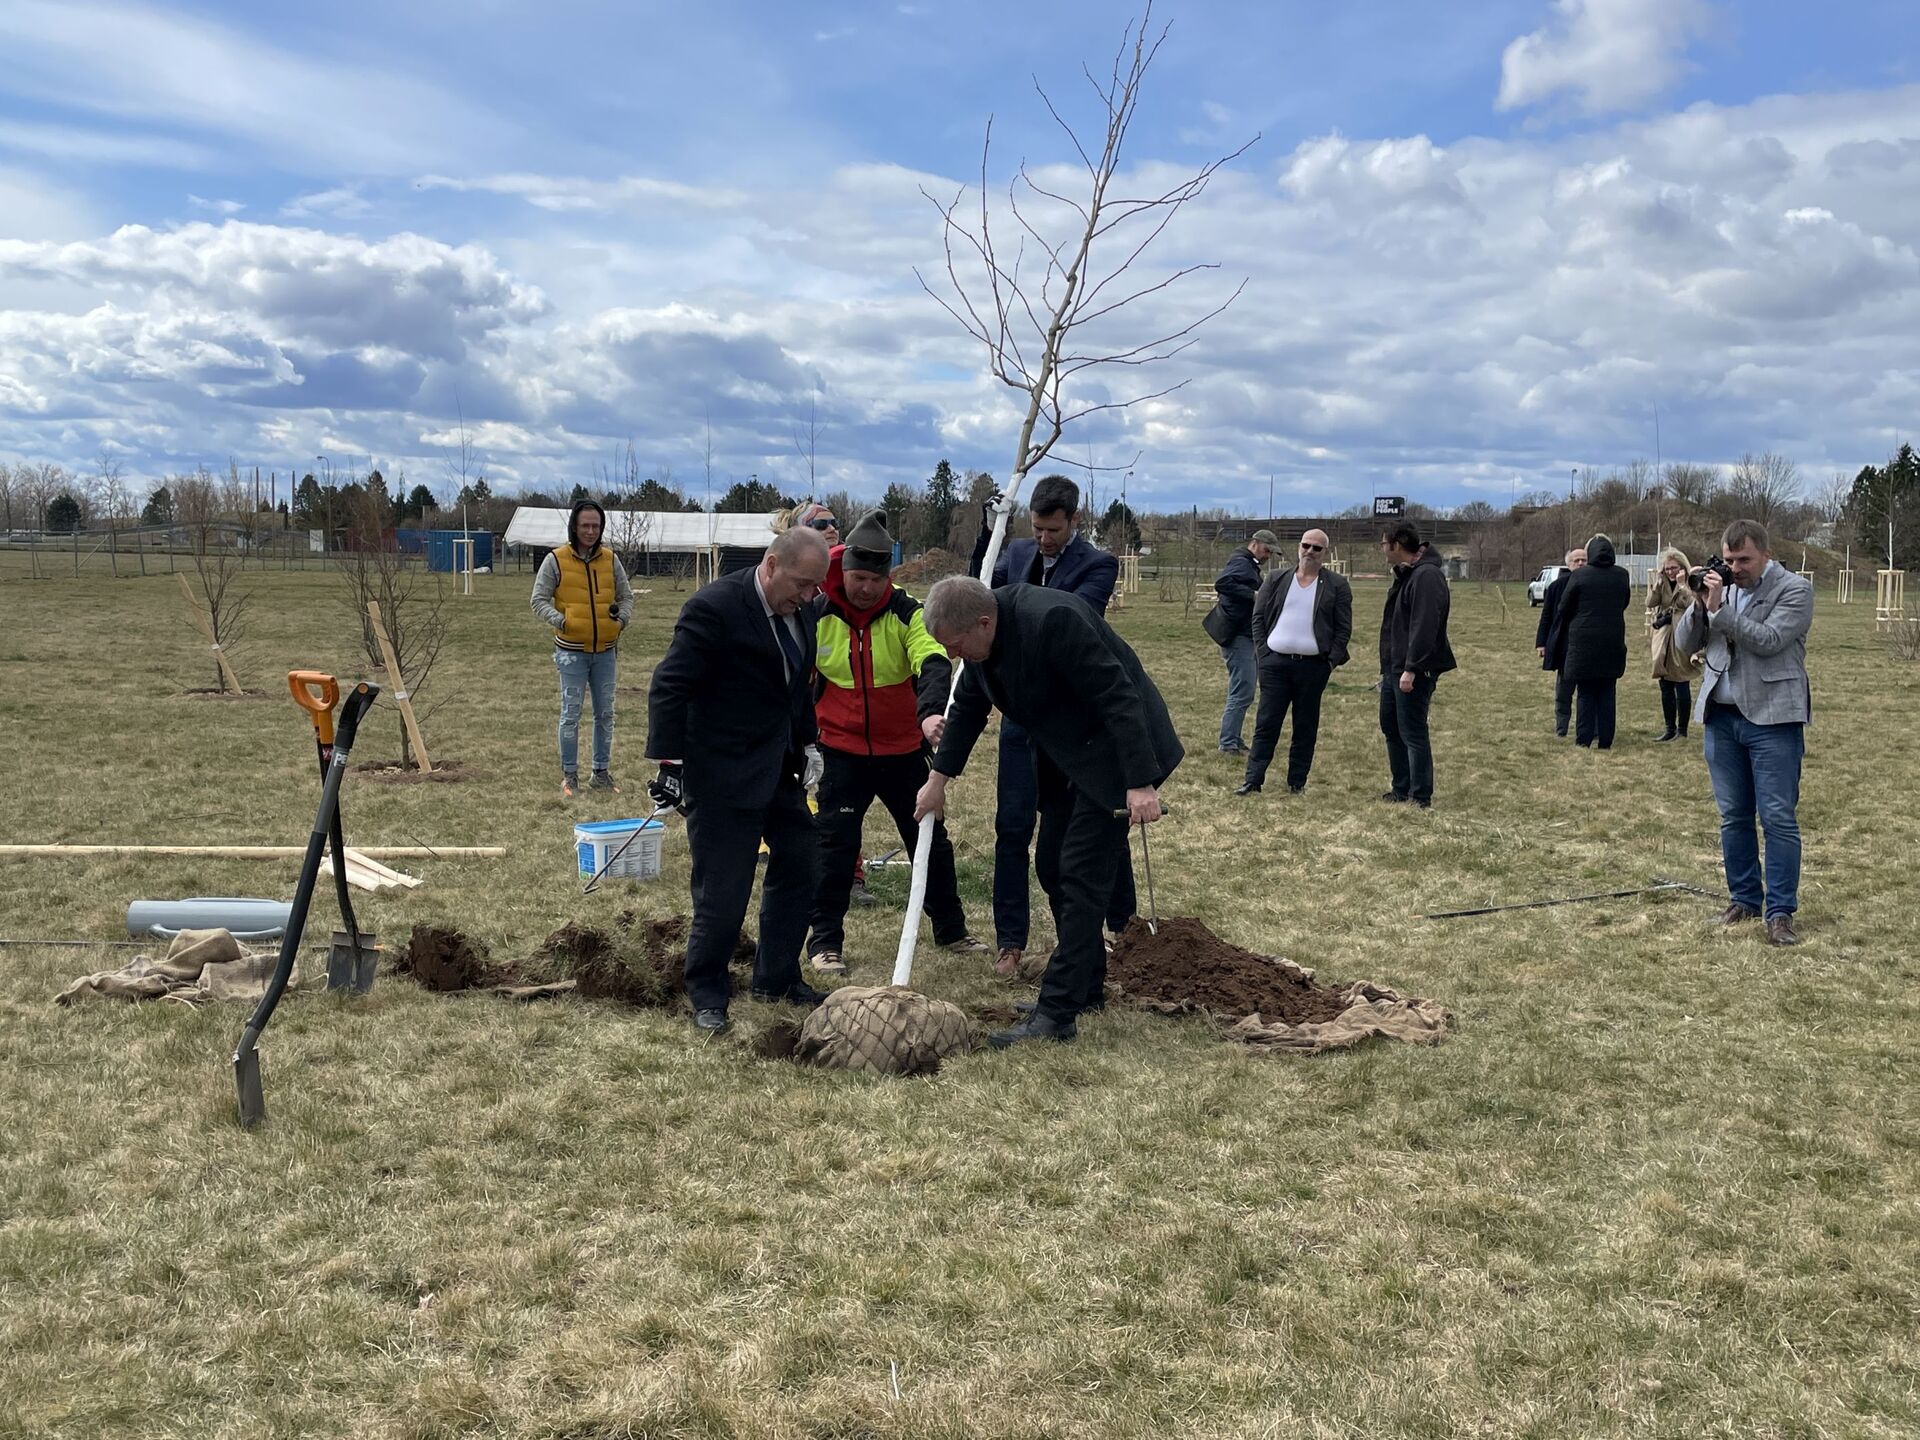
column 1594, row 723
column 1562, row 702
column 1676, row 704
column 723, row 842
column 848, row 787
column 1082, row 847
column 1017, row 808
column 1403, row 720
column 1288, row 680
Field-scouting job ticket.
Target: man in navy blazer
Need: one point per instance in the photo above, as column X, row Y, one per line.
column 1057, row 558
column 731, row 721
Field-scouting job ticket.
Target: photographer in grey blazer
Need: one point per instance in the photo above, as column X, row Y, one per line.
column 1751, row 615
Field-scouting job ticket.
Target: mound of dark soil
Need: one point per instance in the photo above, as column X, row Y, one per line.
column 443, row 959
column 392, row 772
column 936, row 564
column 1188, row 967
column 606, row 966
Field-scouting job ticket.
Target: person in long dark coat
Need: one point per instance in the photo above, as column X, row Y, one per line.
column 1589, row 641
column 1576, row 559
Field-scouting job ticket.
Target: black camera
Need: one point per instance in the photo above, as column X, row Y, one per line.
column 1663, row 619
column 1697, row 577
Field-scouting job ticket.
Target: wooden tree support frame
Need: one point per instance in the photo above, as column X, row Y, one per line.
column 1843, row 587
column 1890, row 598
column 399, row 685
column 202, row 620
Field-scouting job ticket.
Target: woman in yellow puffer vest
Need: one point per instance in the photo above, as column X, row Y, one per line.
column 583, row 595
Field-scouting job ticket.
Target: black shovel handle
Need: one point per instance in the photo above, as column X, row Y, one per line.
column 358, row 703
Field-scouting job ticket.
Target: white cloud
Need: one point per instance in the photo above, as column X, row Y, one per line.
column 89, row 146
column 1611, row 54
column 218, row 207
column 341, row 201
column 176, row 71
column 565, row 192
column 1420, row 317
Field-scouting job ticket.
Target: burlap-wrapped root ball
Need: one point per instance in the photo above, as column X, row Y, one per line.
column 887, row 1029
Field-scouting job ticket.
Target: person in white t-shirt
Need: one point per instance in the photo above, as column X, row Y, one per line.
column 1302, row 621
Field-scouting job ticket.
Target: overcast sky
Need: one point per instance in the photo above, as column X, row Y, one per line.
column 1481, row 243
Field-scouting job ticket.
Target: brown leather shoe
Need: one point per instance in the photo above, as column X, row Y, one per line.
column 1780, row 930
column 1007, row 964
column 1735, row 914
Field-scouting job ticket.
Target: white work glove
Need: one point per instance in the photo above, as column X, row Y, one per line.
column 815, row 768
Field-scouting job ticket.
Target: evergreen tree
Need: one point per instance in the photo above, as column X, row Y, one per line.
column 652, row 495
column 752, row 497
column 1120, row 529
column 579, row 494
column 902, row 504
column 308, row 504
column 419, row 502
column 939, row 503
column 159, row 508
column 63, row 514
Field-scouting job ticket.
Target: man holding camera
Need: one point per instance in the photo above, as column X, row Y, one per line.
column 1751, row 615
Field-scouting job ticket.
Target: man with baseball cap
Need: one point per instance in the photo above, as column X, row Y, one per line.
column 880, row 698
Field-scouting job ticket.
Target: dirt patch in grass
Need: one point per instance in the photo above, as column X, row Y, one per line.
column 443, row 959
column 640, row 961
column 1187, row 967
column 392, row 772
column 936, row 564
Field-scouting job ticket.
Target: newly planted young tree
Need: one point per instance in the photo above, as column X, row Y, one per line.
column 411, row 600
column 204, row 510
column 1055, row 307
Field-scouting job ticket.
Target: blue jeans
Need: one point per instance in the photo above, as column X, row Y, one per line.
column 1238, row 653
column 1403, row 720
column 1756, row 772
column 578, row 670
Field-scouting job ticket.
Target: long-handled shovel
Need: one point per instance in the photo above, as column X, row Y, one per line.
column 317, row 694
column 246, row 1055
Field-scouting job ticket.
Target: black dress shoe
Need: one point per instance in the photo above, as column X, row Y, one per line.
column 713, row 1021
column 1037, row 1026
column 1394, row 797
column 1026, row 1007
column 1296, row 789
column 1246, row 787
column 798, row 993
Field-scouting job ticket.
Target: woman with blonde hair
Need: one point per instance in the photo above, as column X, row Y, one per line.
column 1668, row 599
column 810, row 515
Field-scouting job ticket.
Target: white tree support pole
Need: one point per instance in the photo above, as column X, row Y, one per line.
column 923, row 847
column 399, row 685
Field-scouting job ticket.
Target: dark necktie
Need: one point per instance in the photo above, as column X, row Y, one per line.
column 784, row 634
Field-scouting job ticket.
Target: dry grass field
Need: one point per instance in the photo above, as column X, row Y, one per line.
column 1662, row 1181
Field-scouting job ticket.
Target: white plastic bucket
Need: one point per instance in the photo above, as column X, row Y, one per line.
column 598, row 839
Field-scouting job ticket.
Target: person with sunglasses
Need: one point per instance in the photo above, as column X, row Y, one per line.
column 1234, row 589
column 812, row 515
column 1302, row 621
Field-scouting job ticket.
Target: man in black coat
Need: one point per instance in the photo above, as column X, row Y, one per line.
column 1589, row 640
column 1234, row 589
column 1302, row 621
column 1105, row 745
column 1060, row 558
column 1414, row 654
column 731, row 721
column 1543, row 632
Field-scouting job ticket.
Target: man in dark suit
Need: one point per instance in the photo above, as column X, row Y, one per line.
column 1057, row 558
column 1235, row 589
column 731, row 721
column 1589, row 641
column 1302, row 621
column 1549, row 612
column 1104, row 743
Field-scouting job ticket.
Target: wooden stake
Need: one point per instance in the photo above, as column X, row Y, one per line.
column 227, row 677
column 262, row 852
column 399, row 685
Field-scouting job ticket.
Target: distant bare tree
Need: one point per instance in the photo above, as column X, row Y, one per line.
column 411, row 599
column 201, row 508
column 1691, row 484
column 806, row 444
column 111, row 488
column 1638, row 476
column 6, row 495
column 1762, row 485
column 1830, row 498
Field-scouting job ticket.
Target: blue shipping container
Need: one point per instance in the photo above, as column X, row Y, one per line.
column 441, row 555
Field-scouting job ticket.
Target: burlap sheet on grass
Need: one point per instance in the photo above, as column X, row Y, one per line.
column 886, row 1029
column 199, row 965
column 1372, row 1011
